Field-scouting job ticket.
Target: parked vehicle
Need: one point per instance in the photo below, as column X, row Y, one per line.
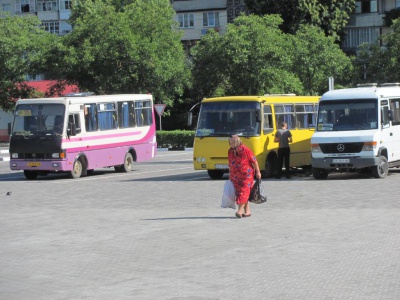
column 80, row 133
column 358, row 129
column 255, row 119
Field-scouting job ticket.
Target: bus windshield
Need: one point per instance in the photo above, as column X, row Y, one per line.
column 38, row 119
column 228, row 118
column 345, row 115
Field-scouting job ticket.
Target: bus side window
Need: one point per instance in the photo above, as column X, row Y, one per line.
column 267, row 119
column 90, row 117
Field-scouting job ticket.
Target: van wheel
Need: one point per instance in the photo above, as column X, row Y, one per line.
column 320, row 173
column 214, row 174
column 76, row 170
column 30, row 174
column 382, row 169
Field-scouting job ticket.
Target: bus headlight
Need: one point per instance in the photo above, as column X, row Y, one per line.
column 14, row 155
column 201, row 159
column 315, row 148
column 55, row 155
column 369, row 146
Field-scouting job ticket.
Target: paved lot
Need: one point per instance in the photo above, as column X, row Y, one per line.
column 159, row 233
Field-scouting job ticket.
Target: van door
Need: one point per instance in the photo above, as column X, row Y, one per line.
column 395, row 129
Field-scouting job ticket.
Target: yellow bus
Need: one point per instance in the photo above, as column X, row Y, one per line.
column 255, row 119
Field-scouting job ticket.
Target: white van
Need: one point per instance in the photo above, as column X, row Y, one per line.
column 358, row 129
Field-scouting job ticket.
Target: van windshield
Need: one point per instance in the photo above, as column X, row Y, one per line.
column 228, row 118
column 346, row 115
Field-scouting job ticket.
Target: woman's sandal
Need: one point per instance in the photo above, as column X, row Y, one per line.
column 245, row 216
column 238, row 215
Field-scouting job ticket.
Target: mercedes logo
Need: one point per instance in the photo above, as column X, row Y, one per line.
column 340, row 147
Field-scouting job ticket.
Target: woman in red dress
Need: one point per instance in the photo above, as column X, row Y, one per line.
column 242, row 168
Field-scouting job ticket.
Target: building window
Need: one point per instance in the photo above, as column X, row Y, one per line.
column 6, row 7
column 366, row 6
column 25, row 6
column 186, row 20
column 47, row 5
column 52, row 27
column 356, row 36
column 211, row 19
column 65, row 5
column 397, row 3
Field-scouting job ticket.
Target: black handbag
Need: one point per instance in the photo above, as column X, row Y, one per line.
column 257, row 193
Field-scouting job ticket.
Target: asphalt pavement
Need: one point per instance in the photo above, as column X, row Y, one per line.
column 159, row 233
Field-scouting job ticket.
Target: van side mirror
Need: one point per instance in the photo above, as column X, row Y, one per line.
column 390, row 114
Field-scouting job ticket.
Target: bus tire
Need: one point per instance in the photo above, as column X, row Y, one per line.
column 270, row 166
column 215, row 174
column 382, row 169
column 31, row 175
column 128, row 163
column 77, row 169
column 320, row 173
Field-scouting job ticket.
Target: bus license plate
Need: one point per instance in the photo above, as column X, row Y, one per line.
column 34, row 164
column 221, row 166
column 341, row 161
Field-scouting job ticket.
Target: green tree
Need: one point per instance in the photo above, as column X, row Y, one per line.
column 251, row 58
column 23, row 48
column 317, row 57
column 383, row 62
column 330, row 15
column 129, row 49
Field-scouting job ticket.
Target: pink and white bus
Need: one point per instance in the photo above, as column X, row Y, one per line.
column 81, row 132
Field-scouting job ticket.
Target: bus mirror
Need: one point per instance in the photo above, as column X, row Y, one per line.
column 258, row 115
column 71, row 129
column 190, row 119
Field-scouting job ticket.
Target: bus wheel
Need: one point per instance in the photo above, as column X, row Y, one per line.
column 270, row 166
column 382, row 169
column 320, row 173
column 215, row 174
column 77, row 169
column 30, row 174
column 128, row 163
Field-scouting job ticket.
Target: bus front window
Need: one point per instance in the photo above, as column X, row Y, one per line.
column 38, row 119
column 345, row 115
column 228, row 118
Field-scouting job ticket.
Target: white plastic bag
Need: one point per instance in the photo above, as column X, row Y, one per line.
column 229, row 195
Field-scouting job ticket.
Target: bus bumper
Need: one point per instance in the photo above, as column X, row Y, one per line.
column 47, row 165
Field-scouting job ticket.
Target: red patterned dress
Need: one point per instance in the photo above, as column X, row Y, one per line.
column 241, row 172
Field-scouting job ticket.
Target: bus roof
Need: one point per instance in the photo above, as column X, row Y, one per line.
column 362, row 93
column 267, row 98
column 87, row 99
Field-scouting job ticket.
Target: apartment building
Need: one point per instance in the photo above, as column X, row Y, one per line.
column 52, row 13
column 366, row 24
column 196, row 17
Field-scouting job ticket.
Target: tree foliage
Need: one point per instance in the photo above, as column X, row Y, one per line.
column 317, row 57
column 383, row 62
column 330, row 15
column 255, row 57
column 128, row 49
column 23, row 48
column 249, row 59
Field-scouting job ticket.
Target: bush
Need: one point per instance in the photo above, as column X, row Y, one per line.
column 175, row 138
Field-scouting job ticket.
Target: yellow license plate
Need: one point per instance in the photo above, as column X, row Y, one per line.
column 34, row 164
